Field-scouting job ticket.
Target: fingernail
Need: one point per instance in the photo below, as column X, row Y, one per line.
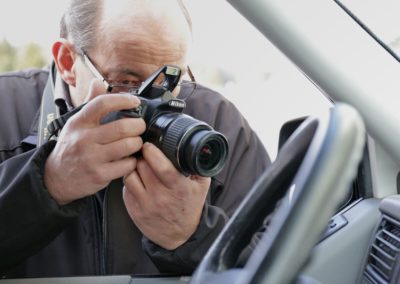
column 135, row 99
column 147, row 144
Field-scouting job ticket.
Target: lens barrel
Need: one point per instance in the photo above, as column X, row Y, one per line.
column 192, row 145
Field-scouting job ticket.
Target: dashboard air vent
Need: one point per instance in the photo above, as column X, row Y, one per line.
column 384, row 251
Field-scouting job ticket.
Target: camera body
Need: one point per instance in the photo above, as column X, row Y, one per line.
column 193, row 146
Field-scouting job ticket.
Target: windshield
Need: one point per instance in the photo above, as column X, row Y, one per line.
column 380, row 17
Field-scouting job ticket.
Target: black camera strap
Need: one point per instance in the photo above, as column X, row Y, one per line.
column 48, row 110
column 54, row 127
column 51, row 121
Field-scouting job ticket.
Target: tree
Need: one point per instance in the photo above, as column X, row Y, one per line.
column 8, row 56
column 31, row 56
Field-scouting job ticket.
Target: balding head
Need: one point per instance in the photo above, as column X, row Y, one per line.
column 80, row 21
column 157, row 24
column 85, row 20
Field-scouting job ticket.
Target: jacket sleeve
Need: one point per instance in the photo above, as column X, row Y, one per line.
column 247, row 159
column 29, row 217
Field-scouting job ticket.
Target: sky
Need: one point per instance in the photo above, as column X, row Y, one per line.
column 259, row 78
column 24, row 21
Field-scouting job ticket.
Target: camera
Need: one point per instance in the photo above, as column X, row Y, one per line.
column 193, row 146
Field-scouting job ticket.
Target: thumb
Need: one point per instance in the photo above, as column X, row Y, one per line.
column 96, row 88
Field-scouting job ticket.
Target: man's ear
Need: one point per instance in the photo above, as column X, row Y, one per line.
column 64, row 58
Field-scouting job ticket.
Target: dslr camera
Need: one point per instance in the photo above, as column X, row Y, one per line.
column 193, row 146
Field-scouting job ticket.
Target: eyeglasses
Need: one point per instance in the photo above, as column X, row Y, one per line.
column 189, row 86
column 111, row 88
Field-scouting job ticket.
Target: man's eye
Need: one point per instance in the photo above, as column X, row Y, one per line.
column 128, row 82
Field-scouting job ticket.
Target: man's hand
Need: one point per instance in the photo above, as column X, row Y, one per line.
column 165, row 205
column 88, row 155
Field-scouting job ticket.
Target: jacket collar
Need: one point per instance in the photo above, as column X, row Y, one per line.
column 62, row 97
column 62, row 100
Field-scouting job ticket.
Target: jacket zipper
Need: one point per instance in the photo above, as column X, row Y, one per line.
column 99, row 232
column 105, row 230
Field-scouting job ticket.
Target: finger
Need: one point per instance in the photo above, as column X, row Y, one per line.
column 160, row 164
column 147, row 175
column 131, row 203
column 103, row 104
column 135, row 186
column 120, row 168
column 119, row 129
column 96, row 88
column 120, row 149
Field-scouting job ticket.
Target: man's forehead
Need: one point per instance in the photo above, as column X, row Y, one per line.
column 151, row 11
column 132, row 24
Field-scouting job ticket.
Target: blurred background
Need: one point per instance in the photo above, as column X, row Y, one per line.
column 228, row 55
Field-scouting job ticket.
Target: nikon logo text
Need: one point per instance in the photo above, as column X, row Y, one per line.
column 178, row 104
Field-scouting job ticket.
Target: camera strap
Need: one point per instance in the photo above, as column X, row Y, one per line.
column 54, row 127
column 51, row 121
column 48, row 110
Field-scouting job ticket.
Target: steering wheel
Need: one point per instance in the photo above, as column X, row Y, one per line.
column 308, row 180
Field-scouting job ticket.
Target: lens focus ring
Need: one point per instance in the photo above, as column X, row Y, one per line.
column 175, row 135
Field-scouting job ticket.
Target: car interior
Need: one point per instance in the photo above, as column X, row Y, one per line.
column 331, row 197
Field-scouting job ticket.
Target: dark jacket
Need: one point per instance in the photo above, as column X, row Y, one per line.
column 94, row 235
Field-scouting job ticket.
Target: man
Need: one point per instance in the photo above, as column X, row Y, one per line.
column 84, row 205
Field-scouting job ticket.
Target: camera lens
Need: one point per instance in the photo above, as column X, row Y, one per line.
column 192, row 145
column 205, row 152
column 207, row 159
